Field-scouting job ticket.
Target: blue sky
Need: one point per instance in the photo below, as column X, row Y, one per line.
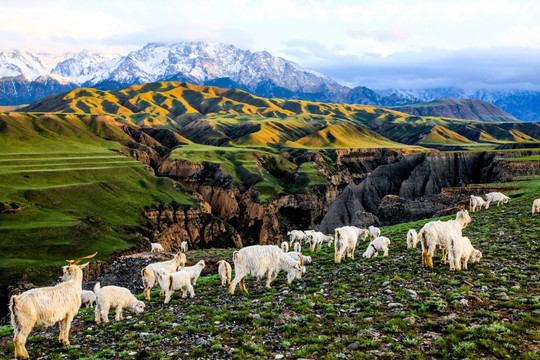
column 379, row 44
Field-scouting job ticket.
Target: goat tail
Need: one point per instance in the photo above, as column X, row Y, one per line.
column 13, row 302
column 97, row 287
column 237, row 256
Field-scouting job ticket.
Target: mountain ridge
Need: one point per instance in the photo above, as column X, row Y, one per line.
column 459, row 109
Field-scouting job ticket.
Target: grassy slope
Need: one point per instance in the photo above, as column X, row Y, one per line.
column 75, row 194
column 344, row 309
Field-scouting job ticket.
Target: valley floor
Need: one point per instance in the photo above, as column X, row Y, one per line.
column 388, row 308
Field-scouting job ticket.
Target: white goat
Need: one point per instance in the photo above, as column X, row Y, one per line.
column 184, row 246
column 476, row 202
column 296, row 235
column 260, row 260
column 114, row 297
column 379, row 244
column 194, row 271
column 412, row 239
column 536, row 206
column 301, row 259
column 175, row 281
column 88, row 298
column 156, row 247
column 316, row 238
column 297, row 247
column 47, row 306
column 285, row 246
column 461, row 250
column 496, row 196
column 345, row 240
column 149, row 272
column 437, row 234
column 374, row 232
column 225, row 270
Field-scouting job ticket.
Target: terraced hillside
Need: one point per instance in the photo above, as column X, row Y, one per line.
column 214, row 116
column 380, row 308
column 65, row 190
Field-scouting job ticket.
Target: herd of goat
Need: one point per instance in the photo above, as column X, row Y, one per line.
column 60, row 303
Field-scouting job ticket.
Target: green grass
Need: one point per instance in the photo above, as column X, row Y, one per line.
column 73, row 193
column 343, row 309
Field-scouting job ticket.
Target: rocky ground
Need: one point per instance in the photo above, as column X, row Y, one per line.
column 388, row 308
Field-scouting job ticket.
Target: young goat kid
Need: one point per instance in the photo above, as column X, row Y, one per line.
column 225, row 271
column 460, row 250
column 476, row 202
column 536, row 206
column 88, row 298
column 175, row 281
column 374, row 232
column 156, row 247
column 46, row 306
column 149, row 272
column 194, row 271
column 412, row 239
column 114, row 297
column 379, row 244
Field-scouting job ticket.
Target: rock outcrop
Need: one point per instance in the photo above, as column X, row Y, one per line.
column 416, row 177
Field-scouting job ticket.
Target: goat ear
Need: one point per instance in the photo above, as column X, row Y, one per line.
column 83, row 266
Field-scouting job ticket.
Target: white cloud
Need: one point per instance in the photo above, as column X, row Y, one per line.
column 522, row 35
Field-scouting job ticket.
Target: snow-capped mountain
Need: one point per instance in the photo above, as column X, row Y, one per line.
column 196, row 62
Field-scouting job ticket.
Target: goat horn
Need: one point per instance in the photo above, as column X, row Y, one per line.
column 302, row 261
column 84, row 257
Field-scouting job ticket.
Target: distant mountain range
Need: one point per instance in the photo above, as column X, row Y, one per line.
column 26, row 77
column 458, row 109
column 522, row 104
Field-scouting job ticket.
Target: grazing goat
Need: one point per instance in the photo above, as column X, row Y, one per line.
column 316, row 238
column 345, row 240
column 496, row 196
column 461, row 250
column 260, row 260
column 285, row 246
column 175, row 281
column 301, row 259
column 297, row 247
column 476, row 202
column 47, row 306
column 114, row 297
column 379, row 244
column 88, row 298
column 437, row 234
column 149, row 272
column 412, row 239
column 184, row 246
column 536, row 206
column 156, row 247
column 296, row 235
column 374, row 232
column 194, row 271
column 224, row 270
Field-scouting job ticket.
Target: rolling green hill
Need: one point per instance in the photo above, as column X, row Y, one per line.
column 66, row 191
column 224, row 117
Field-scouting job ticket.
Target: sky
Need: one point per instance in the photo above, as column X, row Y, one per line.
column 492, row 44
